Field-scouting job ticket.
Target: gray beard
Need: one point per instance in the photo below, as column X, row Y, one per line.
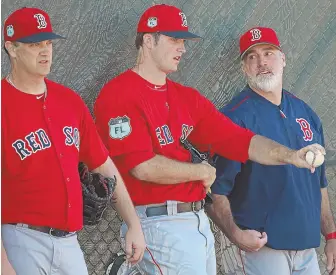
column 265, row 83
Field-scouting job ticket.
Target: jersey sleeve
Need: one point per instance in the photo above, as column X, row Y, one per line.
column 91, row 150
column 121, row 123
column 226, row 172
column 212, row 128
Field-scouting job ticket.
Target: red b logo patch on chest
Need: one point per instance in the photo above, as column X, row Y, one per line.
column 305, row 128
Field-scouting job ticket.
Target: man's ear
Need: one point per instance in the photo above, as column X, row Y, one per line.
column 148, row 41
column 283, row 56
column 11, row 48
column 242, row 66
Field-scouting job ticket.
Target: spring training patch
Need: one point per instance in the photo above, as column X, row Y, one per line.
column 120, row 127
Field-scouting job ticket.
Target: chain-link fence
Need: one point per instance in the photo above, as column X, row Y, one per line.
column 100, row 45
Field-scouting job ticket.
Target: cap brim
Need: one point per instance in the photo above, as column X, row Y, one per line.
column 40, row 37
column 182, row 35
column 261, row 43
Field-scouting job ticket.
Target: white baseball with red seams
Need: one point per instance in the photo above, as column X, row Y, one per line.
column 313, row 159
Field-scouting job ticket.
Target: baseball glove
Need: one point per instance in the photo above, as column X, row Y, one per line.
column 198, row 157
column 97, row 192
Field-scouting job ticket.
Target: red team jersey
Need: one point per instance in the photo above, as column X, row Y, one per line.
column 138, row 120
column 42, row 142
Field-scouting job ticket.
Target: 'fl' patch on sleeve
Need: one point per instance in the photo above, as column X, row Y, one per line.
column 120, row 127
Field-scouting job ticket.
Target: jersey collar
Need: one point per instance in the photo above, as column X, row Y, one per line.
column 263, row 100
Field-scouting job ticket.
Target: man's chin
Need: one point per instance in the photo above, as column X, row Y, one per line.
column 261, row 87
column 266, row 88
column 172, row 70
column 44, row 73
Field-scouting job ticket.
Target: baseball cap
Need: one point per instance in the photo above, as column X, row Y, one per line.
column 165, row 19
column 256, row 36
column 29, row 25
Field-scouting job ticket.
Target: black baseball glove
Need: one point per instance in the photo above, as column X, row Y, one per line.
column 97, row 193
column 198, row 157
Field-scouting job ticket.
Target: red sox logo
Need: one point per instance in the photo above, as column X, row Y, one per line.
column 184, row 19
column 256, row 34
column 42, row 23
column 165, row 137
column 305, row 128
column 38, row 140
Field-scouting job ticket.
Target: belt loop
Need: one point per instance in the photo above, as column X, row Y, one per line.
column 141, row 211
column 172, row 208
column 24, row 225
column 193, row 207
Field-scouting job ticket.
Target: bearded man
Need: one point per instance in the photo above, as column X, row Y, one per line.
column 275, row 214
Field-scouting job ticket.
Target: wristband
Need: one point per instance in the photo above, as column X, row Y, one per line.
column 330, row 236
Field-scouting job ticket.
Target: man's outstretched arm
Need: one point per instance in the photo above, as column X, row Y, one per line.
column 266, row 151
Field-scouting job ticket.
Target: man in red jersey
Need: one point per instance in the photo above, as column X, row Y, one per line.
column 46, row 130
column 142, row 117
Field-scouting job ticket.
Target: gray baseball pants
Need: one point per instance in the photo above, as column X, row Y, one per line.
column 35, row 253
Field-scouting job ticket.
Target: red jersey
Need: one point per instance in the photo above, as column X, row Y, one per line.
column 138, row 120
column 43, row 139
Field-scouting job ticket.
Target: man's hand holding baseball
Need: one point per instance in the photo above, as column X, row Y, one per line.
column 299, row 157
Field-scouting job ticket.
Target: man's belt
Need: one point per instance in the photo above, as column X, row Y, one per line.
column 48, row 230
column 161, row 210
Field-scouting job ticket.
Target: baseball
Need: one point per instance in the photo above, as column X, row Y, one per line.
column 313, row 159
